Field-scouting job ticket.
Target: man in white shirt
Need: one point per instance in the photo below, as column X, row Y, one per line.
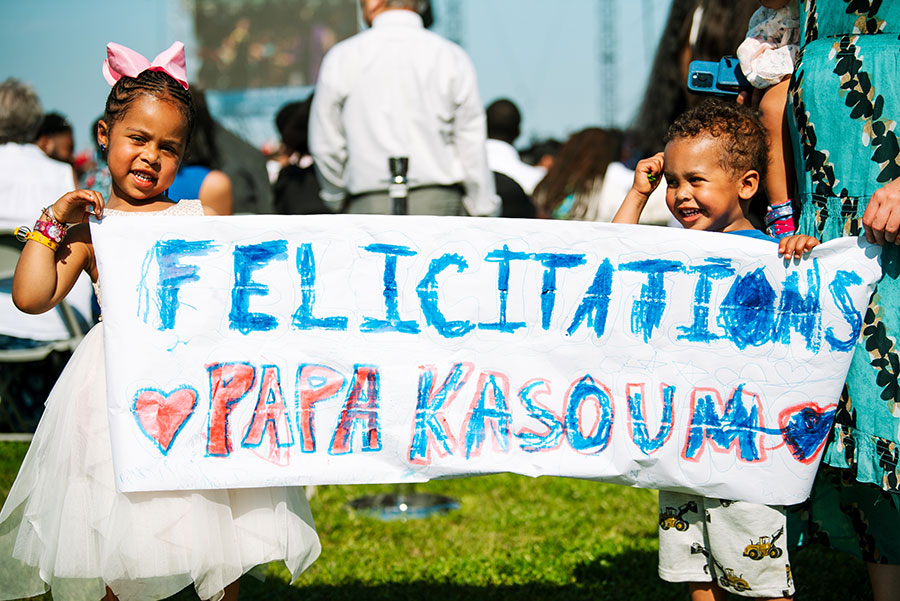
column 503, row 122
column 30, row 181
column 399, row 90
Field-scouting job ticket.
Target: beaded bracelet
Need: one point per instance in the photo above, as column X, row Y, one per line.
column 51, row 227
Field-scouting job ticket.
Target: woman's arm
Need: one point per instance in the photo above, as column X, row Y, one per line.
column 215, row 193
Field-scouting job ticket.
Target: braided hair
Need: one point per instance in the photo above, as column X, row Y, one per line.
column 151, row 83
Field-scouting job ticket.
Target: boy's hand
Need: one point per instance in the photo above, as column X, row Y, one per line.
column 648, row 175
column 794, row 247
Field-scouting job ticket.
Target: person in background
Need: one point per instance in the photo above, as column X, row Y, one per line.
column 619, row 178
column 29, row 181
column 96, row 173
column 503, row 128
column 571, row 188
column 541, row 153
column 54, row 137
column 399, row 90
column 844, row 104
column 296, row 188
column 199, row 175
column 714, row 160
column 245, row 166
column 514, row 179
column 767, row 59
column 695, row 30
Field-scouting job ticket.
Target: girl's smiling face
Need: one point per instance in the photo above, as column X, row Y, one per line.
column 700, row 192
column 145, row 148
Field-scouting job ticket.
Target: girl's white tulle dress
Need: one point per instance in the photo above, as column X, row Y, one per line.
column 65, row 528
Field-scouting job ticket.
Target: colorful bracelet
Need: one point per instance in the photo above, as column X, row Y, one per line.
column 780, row 220
column 41, row 238
column 51, row 227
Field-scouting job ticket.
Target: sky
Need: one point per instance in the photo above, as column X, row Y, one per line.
column 542, row 55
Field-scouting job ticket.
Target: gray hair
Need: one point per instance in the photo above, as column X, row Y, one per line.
column 20, row 112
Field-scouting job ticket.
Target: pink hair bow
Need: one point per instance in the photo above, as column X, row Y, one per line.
column 122, row 61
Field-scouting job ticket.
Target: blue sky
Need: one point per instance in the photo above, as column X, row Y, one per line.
column 542, row 55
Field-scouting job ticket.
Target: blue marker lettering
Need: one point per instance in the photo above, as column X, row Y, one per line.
column 748, row 312
column 647, row 312
column 393, row 323
column 838, row 288
column 430, row 422
column 496, row 387
column 552, row 262
column 248, row 259
column 303, row 318
column 504, row 257
column 428, row 298
column 737, row 426
column 172, row 276
column 800, row 313
column 715, row 269
column 638, row 423
column 531, row 441
column 594, row 306
column 590, row 443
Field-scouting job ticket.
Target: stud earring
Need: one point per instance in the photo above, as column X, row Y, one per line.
column 102, row 147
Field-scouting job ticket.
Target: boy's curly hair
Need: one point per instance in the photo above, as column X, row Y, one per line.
column 741, row 136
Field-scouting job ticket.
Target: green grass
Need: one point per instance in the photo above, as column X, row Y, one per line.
column 513, row 538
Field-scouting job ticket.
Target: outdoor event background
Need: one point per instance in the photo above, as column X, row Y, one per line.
column 568, row 65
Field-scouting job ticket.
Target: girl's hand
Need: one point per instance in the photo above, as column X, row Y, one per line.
column 881, row 220
column 794, row 247
column 648, row 175
column 77, row 206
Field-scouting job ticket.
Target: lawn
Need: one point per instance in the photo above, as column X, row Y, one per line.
column 513, row 538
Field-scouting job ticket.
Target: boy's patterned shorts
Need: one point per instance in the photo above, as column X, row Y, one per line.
column 740, row 546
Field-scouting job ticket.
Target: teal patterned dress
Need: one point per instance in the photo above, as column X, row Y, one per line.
column 843, row 111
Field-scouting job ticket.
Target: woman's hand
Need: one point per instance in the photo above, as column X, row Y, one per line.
column 881, row 219
column 794, row 247
column 77, row 206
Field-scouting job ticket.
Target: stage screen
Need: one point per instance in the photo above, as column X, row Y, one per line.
column 267, row 43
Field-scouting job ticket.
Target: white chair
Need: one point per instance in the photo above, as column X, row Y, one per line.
column 15, row 361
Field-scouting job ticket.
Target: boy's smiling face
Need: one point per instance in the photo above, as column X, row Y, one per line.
column 701, row 193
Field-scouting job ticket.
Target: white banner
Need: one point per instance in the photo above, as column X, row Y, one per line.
column 270, row 350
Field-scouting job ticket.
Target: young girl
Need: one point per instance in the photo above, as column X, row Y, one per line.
column 767, row 59
column 64, row 527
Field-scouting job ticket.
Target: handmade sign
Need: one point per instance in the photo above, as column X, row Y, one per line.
column 270, row 350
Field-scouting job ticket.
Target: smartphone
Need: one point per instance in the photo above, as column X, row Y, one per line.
column 723, row 78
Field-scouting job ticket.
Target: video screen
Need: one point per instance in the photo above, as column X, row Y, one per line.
column 268, row 43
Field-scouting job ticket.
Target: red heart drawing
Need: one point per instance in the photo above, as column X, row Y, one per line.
column 161, row 416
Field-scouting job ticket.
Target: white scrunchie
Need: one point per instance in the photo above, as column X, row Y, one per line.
column 770, row 51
